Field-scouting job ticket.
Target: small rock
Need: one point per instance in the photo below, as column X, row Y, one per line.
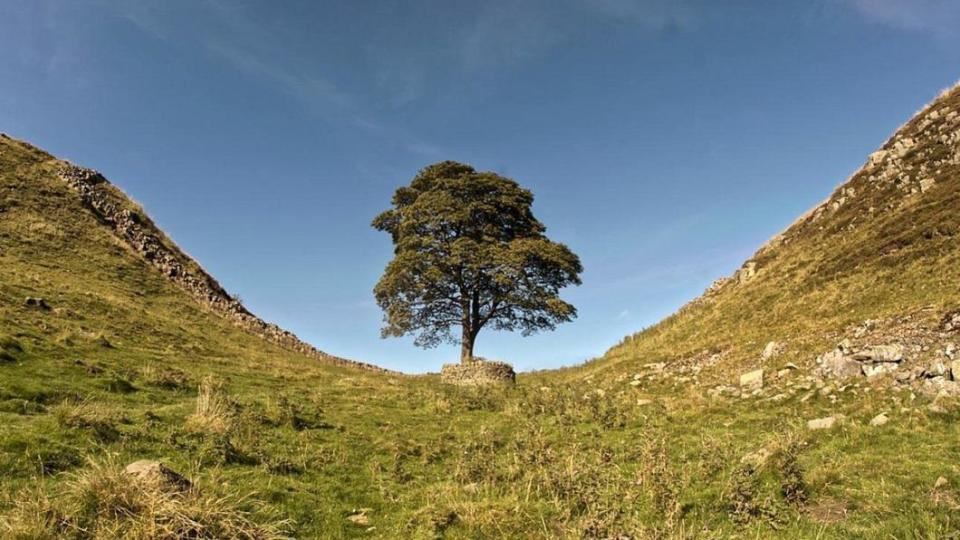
column 903, row 376
column 881, row 353
column 936, row 408
column 641, row 402
column 822, row 423
column 772, row 350
column 879, row 420
column 157, row 474
column 955, row 370
column 940, row 386
column 359, row 517
column 941, row 482
column 752, row 380
column 872, row 370
column 38, row 303
column 936, row 369
column 635, row 383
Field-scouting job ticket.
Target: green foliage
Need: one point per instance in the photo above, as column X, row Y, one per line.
column 468, row 253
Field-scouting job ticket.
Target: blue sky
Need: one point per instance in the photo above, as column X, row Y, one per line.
column 665, row 140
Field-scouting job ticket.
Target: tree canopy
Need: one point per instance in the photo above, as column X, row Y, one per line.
column 469, row 253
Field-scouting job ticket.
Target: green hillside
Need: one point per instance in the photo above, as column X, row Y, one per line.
column 107, row 358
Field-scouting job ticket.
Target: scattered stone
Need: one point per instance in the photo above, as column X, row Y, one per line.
column 157, row 474
column 822, row 423
column 936, row 408
column 872, row 370
column 746, row 273
column 864, row 328
column 836, row 364
column 935, row 369
column 955, row 370
column 636, row 382
column 752, row 380
column 723, row 391
column 939, row 386
column 38, row 303
column 879, row 420
column 478, row 373
column 903, row 376
column 359, row 517
column 941, row 482
column 880, row 353
column 773, row 349
column 641, row 402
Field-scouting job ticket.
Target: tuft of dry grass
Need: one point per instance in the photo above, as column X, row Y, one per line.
column 104, row 502
column 214, row 412
column 100, row 420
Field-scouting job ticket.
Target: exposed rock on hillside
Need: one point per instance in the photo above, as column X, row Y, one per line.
column 138, row 232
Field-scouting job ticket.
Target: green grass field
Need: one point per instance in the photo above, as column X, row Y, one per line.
column 123, row 365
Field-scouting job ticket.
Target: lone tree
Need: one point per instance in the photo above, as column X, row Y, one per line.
column 469, row 253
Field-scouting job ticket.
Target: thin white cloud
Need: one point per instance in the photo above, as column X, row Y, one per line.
column 313, row 90
column 939, row 17
column 510, row 32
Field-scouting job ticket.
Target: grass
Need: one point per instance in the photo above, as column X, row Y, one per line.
column 125, row 366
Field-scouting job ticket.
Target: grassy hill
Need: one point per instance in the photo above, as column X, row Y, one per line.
column 105, row 360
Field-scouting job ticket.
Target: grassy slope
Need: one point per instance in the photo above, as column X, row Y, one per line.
column 565, row 454
column 884, row 252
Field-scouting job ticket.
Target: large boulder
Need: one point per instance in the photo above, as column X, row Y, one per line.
column 478, row 373
column 838, row 365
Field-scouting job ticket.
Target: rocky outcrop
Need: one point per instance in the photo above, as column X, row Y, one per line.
column 844, row 361
column 115, row 210
column 478, row 373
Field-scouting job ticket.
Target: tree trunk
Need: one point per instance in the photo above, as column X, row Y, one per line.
column 466, row 346
column 466, row 325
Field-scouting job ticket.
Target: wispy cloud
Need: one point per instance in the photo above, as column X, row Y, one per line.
column 313, row 90
column 508, row 32
column 940, row 17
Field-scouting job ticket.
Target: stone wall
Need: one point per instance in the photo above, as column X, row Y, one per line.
column 478, row 373
column 113, row 208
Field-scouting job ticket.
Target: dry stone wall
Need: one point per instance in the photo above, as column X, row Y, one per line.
column 478, row 373
column 138, row 232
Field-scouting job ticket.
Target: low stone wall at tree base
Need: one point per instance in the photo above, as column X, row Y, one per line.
column 478, row 373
